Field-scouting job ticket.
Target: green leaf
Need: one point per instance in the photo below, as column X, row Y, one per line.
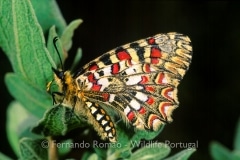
column 23, row 42
column 152, row 151
column 67, row 35
column 65, row 149
column 35, row 100
column 146, row 135
column 122, row 147
column 87, row 154
column 93, row 157
column 236, row 154
column 18, row 123
column 236, row 142
column 3, row 156
column 183, row 155
column 219, row 152
column 63, row 44
column 100, row 151
column 58, row 121
column 48, row 13
column 33, row 149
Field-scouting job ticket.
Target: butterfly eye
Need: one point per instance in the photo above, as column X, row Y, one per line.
column 59, row 74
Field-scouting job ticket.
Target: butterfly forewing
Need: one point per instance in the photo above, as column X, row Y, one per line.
column 138, row 80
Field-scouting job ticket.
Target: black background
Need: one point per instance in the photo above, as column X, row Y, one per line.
column 208, row 94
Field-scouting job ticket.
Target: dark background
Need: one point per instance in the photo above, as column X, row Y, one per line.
column 208, row 94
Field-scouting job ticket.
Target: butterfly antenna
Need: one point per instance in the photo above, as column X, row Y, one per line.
column 55, row 39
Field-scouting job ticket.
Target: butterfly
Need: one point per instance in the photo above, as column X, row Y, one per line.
column 137, row 81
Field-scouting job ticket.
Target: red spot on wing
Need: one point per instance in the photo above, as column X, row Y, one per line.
column 105, row 96
column 147, row 68
column 154, row 60
column 115, row 68
column 150, row 100
column 151, row 119
column 91, row 78
column 144, row 80
column 142, row 110
column 130, row 116
column 96, row 87
column 155, row 53
column 151, row 41
column 166, row 93
column 149, row 88
column 162, row 108
column 123, row 55
column 93, row 67
column 160, row 78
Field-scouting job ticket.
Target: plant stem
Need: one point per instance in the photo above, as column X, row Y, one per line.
column 52, row 150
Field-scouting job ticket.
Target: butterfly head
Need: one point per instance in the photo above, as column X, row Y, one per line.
column 63, row 79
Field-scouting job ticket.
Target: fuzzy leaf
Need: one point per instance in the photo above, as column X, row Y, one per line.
column 58, row 121
column 122, row 147
column 86, row 155
column 93, row 157
column 23, row 42
column 33, row 149
column 219, row 152
column 236, row 154
column 153, row 151
column 63, row 45
column 3, row 156
column 65, row 149
column 146, row 135
column 18, row 126
column 67, row 35
column 183, row 155
column 35, row 100
column 48, row 14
